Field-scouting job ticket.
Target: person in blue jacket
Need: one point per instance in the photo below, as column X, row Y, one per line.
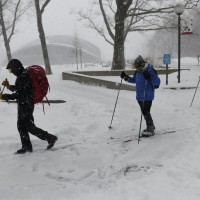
column 146, row 80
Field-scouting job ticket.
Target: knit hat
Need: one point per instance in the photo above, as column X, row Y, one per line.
column 139, row 63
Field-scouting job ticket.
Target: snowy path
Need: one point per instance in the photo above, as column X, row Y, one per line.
column 87, row 165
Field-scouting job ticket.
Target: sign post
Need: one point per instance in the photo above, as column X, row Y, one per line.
column 167, row 61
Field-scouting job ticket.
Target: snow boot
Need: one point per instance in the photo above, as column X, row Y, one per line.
column 149, row 131
column 24, row 150
column 51, row 141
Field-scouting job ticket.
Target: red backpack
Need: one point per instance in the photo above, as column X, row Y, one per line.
column 40, row 82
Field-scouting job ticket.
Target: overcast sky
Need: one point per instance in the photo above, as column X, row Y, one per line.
column 58, row 20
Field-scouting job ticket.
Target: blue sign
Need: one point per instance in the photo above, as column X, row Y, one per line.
column 167, row 59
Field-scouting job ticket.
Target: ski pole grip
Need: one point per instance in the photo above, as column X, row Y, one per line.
column 4, row 86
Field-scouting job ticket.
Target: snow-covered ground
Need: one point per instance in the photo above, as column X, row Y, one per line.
column 86, row 164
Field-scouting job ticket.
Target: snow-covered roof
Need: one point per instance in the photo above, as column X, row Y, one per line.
column 61, row 49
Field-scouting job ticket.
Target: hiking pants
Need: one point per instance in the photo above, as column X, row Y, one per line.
column 25, row 125
column 145, row 107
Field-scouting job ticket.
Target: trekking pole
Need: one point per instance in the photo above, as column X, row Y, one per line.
column 195, row 92
column 142, row 112
column 4, row 86
column 3, row 89
column 115, row 104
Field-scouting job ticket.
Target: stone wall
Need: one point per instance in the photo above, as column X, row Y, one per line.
column 85, row 77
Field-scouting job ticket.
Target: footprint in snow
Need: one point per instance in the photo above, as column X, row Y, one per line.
column 137, row 168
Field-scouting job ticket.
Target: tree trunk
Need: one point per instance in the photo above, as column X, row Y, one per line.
column 118, row 55
column 4, row 33
column 42, row 38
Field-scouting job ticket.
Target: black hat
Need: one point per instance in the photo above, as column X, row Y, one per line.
column 15, row 66
column 139, row 62
column 14, row 63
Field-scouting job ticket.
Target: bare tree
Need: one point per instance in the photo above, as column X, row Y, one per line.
column 10, row 13
column 39, row 12
column 126, row 16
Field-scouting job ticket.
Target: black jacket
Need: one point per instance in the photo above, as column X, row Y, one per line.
column 22, row 90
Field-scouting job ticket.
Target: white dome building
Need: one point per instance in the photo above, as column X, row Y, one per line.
column 61, row 50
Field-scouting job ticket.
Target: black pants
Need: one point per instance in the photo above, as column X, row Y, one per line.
column 25, row 125
column 145, row 107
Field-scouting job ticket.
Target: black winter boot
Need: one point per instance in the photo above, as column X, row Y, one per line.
column 149, row 131
column 24, row 150
column 51, row 140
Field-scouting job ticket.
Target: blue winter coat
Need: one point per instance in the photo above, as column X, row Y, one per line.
column 140, row 81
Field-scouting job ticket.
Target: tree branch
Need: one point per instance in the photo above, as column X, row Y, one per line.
column 94, row 26
column 105, row 20
column 130, row 22
column 14, row 21
column 44, row 5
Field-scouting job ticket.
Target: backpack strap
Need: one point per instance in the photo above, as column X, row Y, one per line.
column 47, row 100
column 43, row 104
column 43, row 107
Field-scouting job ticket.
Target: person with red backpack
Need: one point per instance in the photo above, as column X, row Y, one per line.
column 23, row 92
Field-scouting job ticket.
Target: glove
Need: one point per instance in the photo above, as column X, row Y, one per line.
column 147, row 76
column 156, row 86
column 4, row 97
column 6, row 84
column 124, row 76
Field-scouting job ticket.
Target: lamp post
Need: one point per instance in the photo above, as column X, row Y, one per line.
column 179, row 9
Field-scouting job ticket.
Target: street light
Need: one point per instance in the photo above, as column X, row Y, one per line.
column 179, row 9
